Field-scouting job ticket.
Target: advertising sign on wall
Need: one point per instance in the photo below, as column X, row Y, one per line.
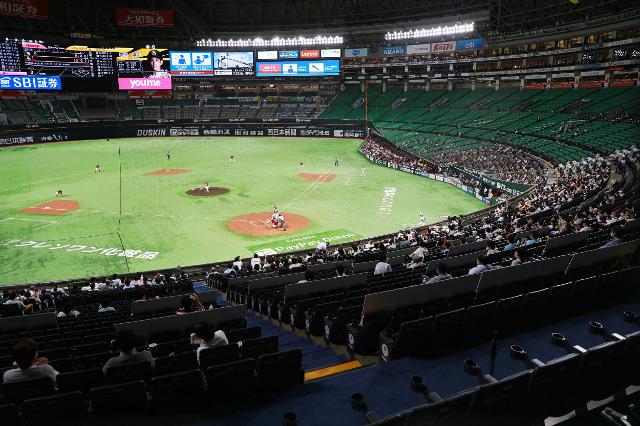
column 356, row 53
column 393, row 50
column 161, row 18
column 471, row 44
column 34, row 9
column 325, row 67
column 443, row 47
column 30, row 82
column 418, row 49
column 190, row 63
column 144, row 83
column 309, row 54
column 267, row 55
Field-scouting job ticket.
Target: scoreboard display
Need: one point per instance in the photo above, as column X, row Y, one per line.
column 233, row 63
column 191, row 63
column 319, row 68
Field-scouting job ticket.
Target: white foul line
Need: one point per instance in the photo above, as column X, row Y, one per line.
column 313, row 185
column 49, row 222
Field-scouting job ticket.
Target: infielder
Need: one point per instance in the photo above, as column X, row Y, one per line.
column 423, row 220
column 362, row 172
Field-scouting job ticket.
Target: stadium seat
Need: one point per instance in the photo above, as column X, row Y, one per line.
column 120, row 398
column 85, row 362
column 447, row 331
column 129, row 372
column 82, row 380
column 450, row 411
column 18, row 391
column 552, row 386
column 280, row 370
column 233, row 380
column 504, row 394
column 413, row 338
column 254, row 348
column 9, row 415
column 241, row 334
column 176, row 363
column 177, row 391
column 56, row 409
column 603, row 371
column 219, row 355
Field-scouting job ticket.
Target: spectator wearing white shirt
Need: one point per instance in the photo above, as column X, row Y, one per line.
column 207, row 337
column 255, row 260
column 29, row 366
column 382, row 267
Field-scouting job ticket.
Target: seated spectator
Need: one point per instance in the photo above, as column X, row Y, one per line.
column 189, row 303
column 421, row 251
column 382, row 267
column 230, row 272
column 322, row 247
column 12, row 299
column 116, row 281
column 416, row 261
column 518, row 257
column 206, row 337
column 616, row 238
column 491, row 248
column 126, row 343
column 510, row 243
column 340, row 270
column 481, row 266
column 308, row 276
column 237, row 262
column 255, row 260
column 29, row 366
column 128, row 285
column 442, row 273
column 532, row 239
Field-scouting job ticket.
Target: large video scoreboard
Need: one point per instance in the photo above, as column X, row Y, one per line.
column 20, row 57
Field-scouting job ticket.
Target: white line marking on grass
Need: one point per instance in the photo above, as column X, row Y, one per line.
column 49, row 222
column 312, row 186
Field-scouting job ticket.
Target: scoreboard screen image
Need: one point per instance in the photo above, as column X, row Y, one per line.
column 191, row 63
column 233, row 63
column 319, row 68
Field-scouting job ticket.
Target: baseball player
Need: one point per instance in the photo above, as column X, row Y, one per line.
column 362, row 172
column 168, row 155
column 232, row 159
column 281, row 222
column 206, row 186
column 97, row 168
column 301, row 165
column 337, row 162
column 59, row 193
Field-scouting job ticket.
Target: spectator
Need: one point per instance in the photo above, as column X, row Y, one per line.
column 382, row 267
column 491, row 248
column 116, row 281
column 189, row 303
column 532, row 239
column 230, row 272
column 237, row 262
column 481, row 266
column 128, row 285
column 416, row 261
column 206, row 337
column 518, row 257
column 616, row 238
column 308, row 276
column 126, row 343
column 13, row 300
column 322, row 247
column 340, row 270
column 255, row 260
column 442, row 273
column 29, row 366
column 510, row 244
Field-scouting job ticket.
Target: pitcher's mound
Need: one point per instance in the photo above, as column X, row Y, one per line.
column 164, row 172
column 260, row 224
column 214, row 190
column 317, row 177
column 55, row 207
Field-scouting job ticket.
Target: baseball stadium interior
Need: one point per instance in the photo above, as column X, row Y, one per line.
column 496, row 283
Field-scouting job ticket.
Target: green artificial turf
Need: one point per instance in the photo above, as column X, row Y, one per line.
column 137, row 211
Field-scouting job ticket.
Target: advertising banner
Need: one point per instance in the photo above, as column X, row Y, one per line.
column 510, row 188
column 309, row 54
column 443, row 47
column 393, row 50
column 233, row 63
column 471, row 44
column 330, row 53
column 288, row 54
column 356, row 53
column 190, row 63
column 325, row 67
column 125, row 83
column 418, row 49
column 33, row 9
column 267, row 55
column 30, row 82
column 161, row 18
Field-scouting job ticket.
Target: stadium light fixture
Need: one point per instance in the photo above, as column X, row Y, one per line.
column 273, row 42
column 458, row 28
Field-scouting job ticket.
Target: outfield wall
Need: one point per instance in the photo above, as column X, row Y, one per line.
column 132, row 129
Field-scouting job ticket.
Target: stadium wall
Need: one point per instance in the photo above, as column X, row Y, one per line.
column 104, row 130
